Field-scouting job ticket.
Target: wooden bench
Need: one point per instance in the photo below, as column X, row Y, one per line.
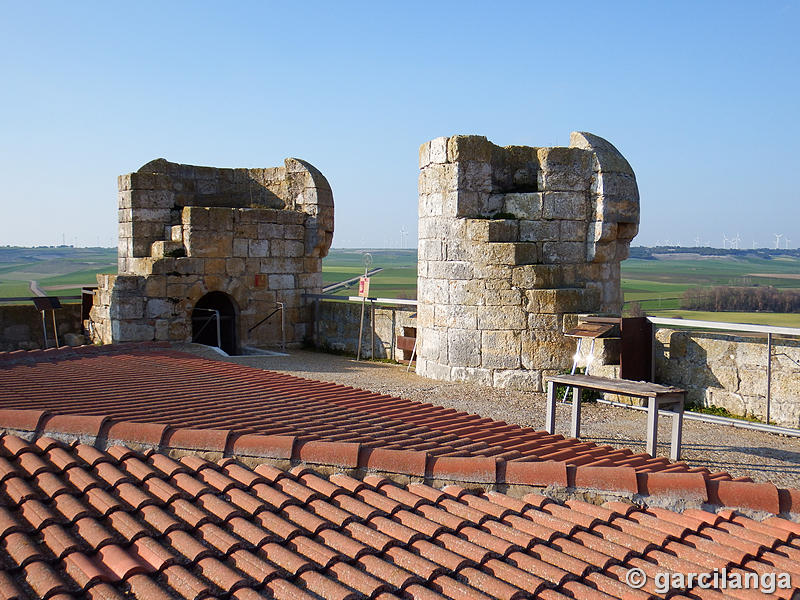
column 658, row 397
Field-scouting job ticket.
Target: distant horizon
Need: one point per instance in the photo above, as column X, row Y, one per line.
column 757, row 249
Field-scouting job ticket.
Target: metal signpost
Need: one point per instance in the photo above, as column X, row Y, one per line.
column 43, row 304
column 363, row 292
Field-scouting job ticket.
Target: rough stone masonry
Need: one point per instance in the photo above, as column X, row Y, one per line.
column 514, row 243
column 243, row 239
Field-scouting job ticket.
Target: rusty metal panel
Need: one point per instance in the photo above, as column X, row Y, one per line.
column 636, row 358
column 87, row 300
column 46, row 303
column 592, row 330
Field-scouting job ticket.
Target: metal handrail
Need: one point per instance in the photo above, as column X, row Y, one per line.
column 769, row 330
column 30, row 298
column 359, row 299
column 720, row 325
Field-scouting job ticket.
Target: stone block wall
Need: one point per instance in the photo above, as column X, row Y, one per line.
column 21, row 326
column 514, row 243
column 337, row 324
column 256, row 235
column 730, row 371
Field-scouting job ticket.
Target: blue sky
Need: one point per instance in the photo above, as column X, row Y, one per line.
column 701, row 97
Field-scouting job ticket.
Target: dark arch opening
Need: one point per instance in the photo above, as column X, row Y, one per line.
column 206, row 311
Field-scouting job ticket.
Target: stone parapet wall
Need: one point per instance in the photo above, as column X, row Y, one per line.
column 151, row 200
column 337, row 323
column 21, row 326
column 730, row 371
column 514, row 243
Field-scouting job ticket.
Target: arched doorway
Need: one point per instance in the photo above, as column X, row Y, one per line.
column 214, row 320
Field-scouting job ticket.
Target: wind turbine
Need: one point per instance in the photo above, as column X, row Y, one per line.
column 778, row 237
column 725, row 241
column 697, row 242
column 787, row 240
column 403, row 234
column 735, row 241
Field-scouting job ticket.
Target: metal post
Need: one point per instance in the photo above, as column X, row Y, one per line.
column 394, row 333
column 550, row 413
column 283, row 327
column 413, row 352
column 372, row 319
column 44, row 329
column 574, row 368
column 576, row 411
column 316, row 324
column 219, row 330
column 769, row 372
column 55, row 328
column 361, row 329
column 652, row 426
column 367, row 263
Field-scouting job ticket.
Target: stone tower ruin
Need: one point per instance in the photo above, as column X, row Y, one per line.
column 514, row 244
column 202, row 246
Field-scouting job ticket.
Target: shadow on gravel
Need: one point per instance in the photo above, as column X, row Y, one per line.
column 318, row 364
column 787, row 455
column 703, row 454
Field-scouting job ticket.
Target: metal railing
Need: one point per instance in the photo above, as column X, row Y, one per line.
column 392, row 302
column 769, row 330
column 19, row 299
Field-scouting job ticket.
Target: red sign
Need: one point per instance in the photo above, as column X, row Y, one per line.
column 363, row 287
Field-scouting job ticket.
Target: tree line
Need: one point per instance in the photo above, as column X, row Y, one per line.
column 741, row 299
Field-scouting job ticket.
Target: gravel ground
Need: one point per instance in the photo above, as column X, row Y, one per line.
column 740, row 452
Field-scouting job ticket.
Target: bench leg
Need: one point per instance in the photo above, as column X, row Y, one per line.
column 652, row 426
column 550, row 411
column 576, row 412
column 677, row 430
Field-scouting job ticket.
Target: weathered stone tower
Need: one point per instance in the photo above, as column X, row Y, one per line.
column 514, row 243
column 200, row 246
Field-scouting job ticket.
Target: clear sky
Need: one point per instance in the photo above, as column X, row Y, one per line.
column 701, row 97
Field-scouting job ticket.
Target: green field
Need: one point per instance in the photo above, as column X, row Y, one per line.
column 656, row 283
column 398, row 279
column 59, row 271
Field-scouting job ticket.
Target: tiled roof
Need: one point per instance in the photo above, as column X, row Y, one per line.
column 79, row 522
column 148, row 394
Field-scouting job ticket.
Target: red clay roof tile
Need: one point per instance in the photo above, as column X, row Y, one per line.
column 58, row 541
column 216, row 537
column 21, row 418
column 74, row 424
column 758, row 496
column 149, row 552
column 43, row 580
column 342, row 454
column 20, row 549
column 187, row 545
column 452, row 588
column 348, row 575
column 184, row 583
column 410, row 462
column 34, row 512
column 147, row 511
column 158, row 519
column 465, row 548
column 479, row 470
column 490, row 585
column 143, row 433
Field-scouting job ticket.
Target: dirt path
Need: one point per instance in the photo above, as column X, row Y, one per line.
column 35, row 289
column 762, row 456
